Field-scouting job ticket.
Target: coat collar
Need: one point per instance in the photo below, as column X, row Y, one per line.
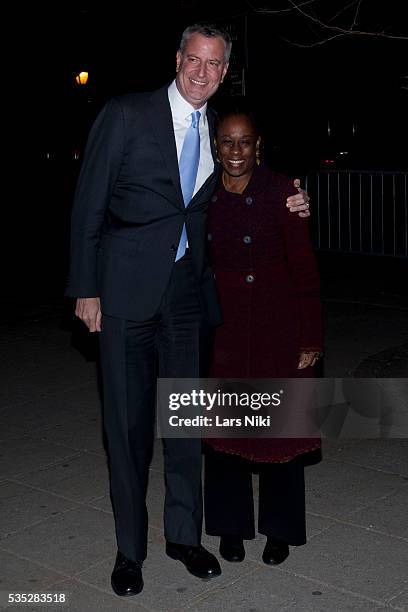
column 261, row 178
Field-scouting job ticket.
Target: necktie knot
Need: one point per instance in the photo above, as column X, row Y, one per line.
column 195, row 118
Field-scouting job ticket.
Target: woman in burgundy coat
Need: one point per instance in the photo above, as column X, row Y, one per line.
column 269, row 290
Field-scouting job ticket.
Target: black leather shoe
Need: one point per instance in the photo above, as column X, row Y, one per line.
column 232, row 548
column 275, row 551
column 197, row 559
column 126, row 577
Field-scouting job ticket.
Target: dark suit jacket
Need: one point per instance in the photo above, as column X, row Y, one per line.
column 128, row 211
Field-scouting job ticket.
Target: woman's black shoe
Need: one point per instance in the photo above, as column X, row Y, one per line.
column 232, row 548
column 275, row 551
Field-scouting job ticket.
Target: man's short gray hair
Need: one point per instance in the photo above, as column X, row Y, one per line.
column 210, row 31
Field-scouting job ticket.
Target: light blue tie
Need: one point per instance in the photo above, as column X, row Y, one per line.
column 188, row 167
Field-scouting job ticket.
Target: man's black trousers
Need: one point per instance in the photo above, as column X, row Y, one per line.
column 132, row 355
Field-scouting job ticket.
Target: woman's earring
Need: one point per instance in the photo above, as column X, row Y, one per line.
column 258, row 157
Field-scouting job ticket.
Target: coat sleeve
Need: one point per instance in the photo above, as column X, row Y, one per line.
column 303, row 269
column 99, row 171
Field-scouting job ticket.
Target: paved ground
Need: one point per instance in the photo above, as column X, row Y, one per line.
column 56, row 526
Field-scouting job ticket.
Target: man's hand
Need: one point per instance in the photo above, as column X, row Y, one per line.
column 300, row 202
column 89, row 311
column 308, row 359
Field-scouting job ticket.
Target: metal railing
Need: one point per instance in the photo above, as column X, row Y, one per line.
column 359, row 212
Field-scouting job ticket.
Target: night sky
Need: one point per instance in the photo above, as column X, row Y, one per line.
column 350, row 80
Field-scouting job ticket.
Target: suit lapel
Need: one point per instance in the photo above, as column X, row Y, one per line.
column 211, row 125
column 162, row 125
column 210, row 182
column 211, row 122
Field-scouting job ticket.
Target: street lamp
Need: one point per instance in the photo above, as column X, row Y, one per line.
column 81, row 78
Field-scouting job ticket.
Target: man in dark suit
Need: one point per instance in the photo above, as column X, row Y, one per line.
column 141, row 279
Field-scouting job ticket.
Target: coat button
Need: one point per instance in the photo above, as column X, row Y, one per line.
column 173, row 247
column 247, row 239
column 250, row 278
column 214, row 198
column 248, row 200
column 209, row 237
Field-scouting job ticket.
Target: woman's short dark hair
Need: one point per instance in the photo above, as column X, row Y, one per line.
column 239, row 105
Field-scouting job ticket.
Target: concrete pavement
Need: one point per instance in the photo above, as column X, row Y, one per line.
column 56, row 525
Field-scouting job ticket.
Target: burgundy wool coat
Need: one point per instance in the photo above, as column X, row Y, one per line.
column 268, row 286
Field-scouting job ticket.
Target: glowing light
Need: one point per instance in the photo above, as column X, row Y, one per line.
column 82, row 78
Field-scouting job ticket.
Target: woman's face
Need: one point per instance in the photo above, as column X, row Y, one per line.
column 237, row 142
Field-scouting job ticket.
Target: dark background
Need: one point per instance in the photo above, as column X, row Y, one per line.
column 300, row 82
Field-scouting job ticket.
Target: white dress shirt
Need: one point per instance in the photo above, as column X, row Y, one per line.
column 181, row 112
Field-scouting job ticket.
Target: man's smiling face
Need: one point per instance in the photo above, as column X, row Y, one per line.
column 200, row 68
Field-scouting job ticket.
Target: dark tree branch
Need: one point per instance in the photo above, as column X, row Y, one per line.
column 327, row 25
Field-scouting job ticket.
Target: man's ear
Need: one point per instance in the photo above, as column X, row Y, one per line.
column 224, row 72
column 178, row 60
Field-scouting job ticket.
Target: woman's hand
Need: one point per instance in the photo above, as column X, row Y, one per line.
column 307, row 359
